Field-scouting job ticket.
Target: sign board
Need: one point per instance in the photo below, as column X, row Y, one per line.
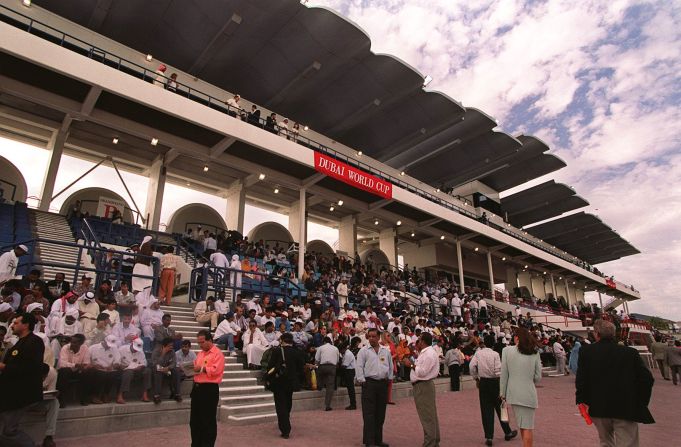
column 352, row 176
column 107, row 206
column 610, row 283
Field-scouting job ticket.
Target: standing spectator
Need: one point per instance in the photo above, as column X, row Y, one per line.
column 21, row 377
column 485, row 368
column 209, row 367
column 559, row 354
column 271, row 123
column 373, row 370
column 424, row 370
column 659, row 350
column 293, row 363
column 234, row 107
column 171, row 85
column 9, row 262
column 574, row 357
column 210, row 244
column 348, row 374
column 168, row 268
column 673, row 358
column 520, row 371
column 143, row 270
column 254, row 116
column 326, row 358
column 615, row 406
column 160, row 80
column 454, row 359
column 128, row 261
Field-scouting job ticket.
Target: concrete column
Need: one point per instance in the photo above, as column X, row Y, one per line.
column 56, row 148
column 236, row 207
column 491, row 271
column 157, row 184
column 459, row 261
column 388, row 245
column 567, row 292
column 553, row 287
column 347, row 235
column 600, row 300
column 302, row 233
column 296, row 223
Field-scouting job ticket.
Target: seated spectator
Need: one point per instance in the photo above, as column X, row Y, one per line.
column 134, row 365
column 88, row 310
column 271, row 335
column 11, row 295
column 67, row 302
column 114, row 316
column 126, row 332
column 67, row 325
column 184, row 360
column 105, row 360
column 104, row 295
column 101, row 330
column 151, row 318
column 36, row 296
column 283, row 319
column 125, row 298
column 165, row 331
column 226, row 332
column 163, row 365
column 255, row 345
column 57, row 287
column 84, row 286
column 74, row 366
column 41, row 326
column 205, row 313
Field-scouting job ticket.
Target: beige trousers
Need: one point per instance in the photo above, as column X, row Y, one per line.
column 424, row 398
column 616, row 432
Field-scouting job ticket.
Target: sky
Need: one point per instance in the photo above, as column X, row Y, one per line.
column 599, row 82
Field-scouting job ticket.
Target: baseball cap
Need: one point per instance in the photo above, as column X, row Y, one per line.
column 31, row 307
column 111, row 340
column 23, row 247
column 137, row 344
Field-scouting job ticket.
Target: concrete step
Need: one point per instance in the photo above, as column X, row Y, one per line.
column 248, row 419
column 240, row 389
column 247, row 408
column 253, row 398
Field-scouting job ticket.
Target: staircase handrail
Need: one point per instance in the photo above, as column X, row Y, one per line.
column 218, row 280
column 100, row 270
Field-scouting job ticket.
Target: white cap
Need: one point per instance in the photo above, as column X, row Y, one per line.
column 31, row 307
column 284, row 314
column 317, row 302
column 88, row 296
column 4, row 307
column 111, row 340
column 137, row 344
column 146, row 239
column 23, row 247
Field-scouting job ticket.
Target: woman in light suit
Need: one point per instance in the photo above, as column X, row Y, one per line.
column 520, row 371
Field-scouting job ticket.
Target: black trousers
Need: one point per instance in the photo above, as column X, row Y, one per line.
column 202, row 418
column 454, row 379
column 283, row 401
column 348, row 381
column 104, row 382
column 489, row 404
column 374, row 403
column 67, row 377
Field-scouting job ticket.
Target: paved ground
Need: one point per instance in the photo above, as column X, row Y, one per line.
column 557, row 423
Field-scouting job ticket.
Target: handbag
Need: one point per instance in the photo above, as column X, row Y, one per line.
column 503, row 417
column 276, row 372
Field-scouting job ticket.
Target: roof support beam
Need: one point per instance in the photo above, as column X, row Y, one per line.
column 312, row 180
column 349, row 120
column 99, row 13
column 380, row 204
column 311, row 70
column 217, row 42
column 221, row 146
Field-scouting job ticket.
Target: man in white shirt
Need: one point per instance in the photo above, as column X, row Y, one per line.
column 134, row 364
column 424, row 370
column 326, row 358
column 151, row 319
column 456, row 307
column 559, row 353
column 225, row 333
column 9, row 262
column 105, row 360
column 184, row 359
column 205, row 313
column 125, row 332
column 347, row 372
column 219, row 259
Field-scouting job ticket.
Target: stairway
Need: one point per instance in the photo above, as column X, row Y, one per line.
column 242, row 400
column 55, row 227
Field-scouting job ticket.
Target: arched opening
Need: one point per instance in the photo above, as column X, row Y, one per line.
column 194, row 215
column 271, row 233
column 319, row 246
column 100, row 202
column 375, row 257
column 12, row 183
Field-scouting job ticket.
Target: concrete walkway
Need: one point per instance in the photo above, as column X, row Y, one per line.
column 557, row 423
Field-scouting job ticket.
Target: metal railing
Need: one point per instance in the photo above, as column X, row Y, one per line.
column 88, row 50
column 101, row 259
column 11, row 185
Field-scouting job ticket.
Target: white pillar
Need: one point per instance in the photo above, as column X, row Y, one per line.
column 491, row 272
column 600, row 300
column 567, row 292
column 236, row 207
column 387, row 244
column 302, row 233
column 553, row 287
column 459, row 260
column 157, row 184
column 56, row 148
column 347, row 235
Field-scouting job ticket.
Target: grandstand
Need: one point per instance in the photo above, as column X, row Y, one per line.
column 399, row 170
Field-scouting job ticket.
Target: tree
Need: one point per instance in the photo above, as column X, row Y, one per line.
column 659, row 323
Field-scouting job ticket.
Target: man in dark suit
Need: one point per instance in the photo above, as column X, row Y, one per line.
column 28, row 282
column 284, row 386
column 615, row 385
column 21, row 379
column 57, row 288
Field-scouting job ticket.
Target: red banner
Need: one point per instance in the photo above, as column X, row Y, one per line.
column 352, row 176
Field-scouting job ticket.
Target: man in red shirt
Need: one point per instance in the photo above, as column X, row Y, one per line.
column 209, row 367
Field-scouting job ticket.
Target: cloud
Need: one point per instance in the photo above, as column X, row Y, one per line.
column 599, row 81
